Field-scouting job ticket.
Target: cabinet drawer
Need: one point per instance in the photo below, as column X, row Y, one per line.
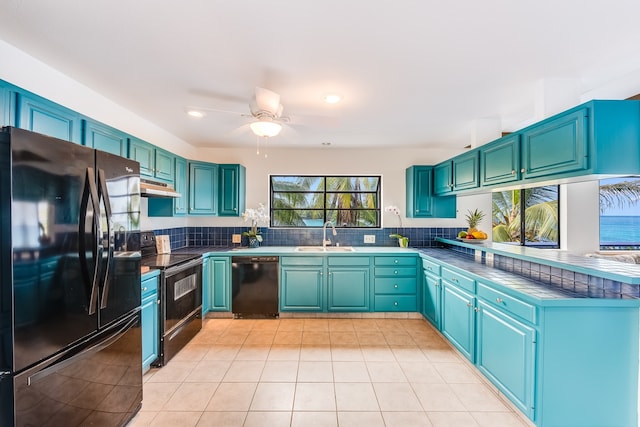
column 430, row 267
column 395, row 271
column 395, row 303
column 507, row 303
column 389, row 260
column 392, row 285
column 300, row 260
column 458, row 279
column 347, row 261
column 149, row 286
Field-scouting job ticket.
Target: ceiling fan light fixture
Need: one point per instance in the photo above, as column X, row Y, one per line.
column 265, row 128
column 332, row 98
column 196, row 113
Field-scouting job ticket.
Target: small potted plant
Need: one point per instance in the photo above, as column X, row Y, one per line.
column 403, row 241
column 256, row 216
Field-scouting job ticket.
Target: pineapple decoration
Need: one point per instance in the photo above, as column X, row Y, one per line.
column 473, row 219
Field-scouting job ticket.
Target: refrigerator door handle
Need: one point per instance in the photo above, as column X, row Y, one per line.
column 56, row 366
column 106, row 244
column 90, row 192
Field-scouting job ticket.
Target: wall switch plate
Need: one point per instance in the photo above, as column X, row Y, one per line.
column 369, row 238
column 236, row 238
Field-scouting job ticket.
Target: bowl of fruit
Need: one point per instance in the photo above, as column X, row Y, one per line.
column 473, row 235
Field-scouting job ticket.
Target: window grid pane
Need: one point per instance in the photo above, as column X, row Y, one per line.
column 310, row 201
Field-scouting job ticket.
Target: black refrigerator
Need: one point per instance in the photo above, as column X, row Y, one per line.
column 70, row 339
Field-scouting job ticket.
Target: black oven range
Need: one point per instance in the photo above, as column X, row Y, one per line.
column 180, row 296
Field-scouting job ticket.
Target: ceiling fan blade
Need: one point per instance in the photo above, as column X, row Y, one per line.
column 268, row 101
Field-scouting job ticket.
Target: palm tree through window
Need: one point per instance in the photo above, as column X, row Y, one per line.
column 528, row 216
column 309, row 201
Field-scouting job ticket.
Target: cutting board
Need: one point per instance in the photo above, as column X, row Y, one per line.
column 163, row 245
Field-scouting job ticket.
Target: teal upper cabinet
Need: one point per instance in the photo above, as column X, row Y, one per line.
column 556, row 146
column 459, row 173
column 143, row 153
column 7, row 105
column 442, row 178
column 173, row 206
column 203, row 184
column 154, row 162
column 418, row 187
column 165, row 168
column 466, row 174
column 39, row 115
column 500, row 161
column 180, row 204
column 421, row 203
column 102, row 137
column 232, row 190
column 585, row 140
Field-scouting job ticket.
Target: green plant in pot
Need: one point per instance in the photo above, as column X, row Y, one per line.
column 403, row 242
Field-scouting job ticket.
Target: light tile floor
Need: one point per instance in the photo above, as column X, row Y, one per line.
column 320, row 372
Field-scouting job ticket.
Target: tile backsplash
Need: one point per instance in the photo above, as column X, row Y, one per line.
column 221, row 236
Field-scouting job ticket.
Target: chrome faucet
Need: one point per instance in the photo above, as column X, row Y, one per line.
column 326, row 241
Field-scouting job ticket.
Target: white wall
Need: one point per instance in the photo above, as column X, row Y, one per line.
column 390, row 164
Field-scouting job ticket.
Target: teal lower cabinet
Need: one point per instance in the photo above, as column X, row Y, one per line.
column 562, row 360
column 458, row 318
column 431, row 292
column 395, row 283
column 348, row 283
column 302, row 284
column 216, row 286
column 505, row 354
column 150, row 319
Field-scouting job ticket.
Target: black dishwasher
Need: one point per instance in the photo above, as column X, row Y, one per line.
column 254, row 287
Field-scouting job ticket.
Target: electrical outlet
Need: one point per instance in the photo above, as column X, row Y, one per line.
column 369, row 238
column 236, row 238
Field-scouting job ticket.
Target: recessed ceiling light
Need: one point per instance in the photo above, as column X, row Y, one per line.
column 332, row 98
column 326, row 144
column 195, row 113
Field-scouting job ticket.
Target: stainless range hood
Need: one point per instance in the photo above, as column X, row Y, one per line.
column 157, row 189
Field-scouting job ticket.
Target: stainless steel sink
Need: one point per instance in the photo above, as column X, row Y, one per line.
column 326, row 249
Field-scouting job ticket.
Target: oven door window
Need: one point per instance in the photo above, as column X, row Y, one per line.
column 183, row 296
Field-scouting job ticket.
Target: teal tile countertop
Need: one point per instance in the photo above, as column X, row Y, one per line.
column 613, row 270
column 534, row 291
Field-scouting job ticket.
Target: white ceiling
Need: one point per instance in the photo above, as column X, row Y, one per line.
column 413, row 73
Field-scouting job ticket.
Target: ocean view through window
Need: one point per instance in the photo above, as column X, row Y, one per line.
column 620, row 213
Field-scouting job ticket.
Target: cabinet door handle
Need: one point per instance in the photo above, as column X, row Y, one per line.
column 499, row 300
column 513, row 172
column 477, row 309
column 395, row 286
column 144, row 289
column 395, row 261
column 522, row 170
column 395, row 272
column 469, row 304
column 453, row 279
column 395, row 303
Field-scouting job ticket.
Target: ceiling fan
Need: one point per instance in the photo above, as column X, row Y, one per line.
column 265, row 108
